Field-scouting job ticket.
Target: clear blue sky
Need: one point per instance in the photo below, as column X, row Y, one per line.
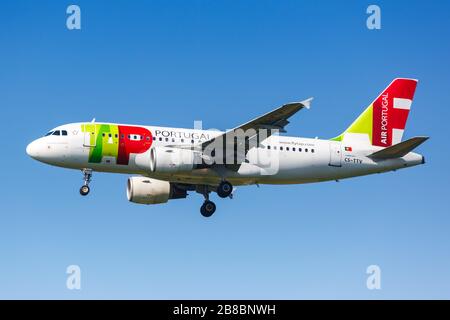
column 223, row 62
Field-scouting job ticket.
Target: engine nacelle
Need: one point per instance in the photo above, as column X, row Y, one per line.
column 166, row 160
column 145, row 190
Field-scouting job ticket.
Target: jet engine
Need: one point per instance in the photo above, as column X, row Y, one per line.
column 166, row 160
column 145, row 190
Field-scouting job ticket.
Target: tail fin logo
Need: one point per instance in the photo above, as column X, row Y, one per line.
column 384, row 119
column 390, row 112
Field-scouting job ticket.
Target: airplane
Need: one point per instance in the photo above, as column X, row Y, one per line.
column 167, row 163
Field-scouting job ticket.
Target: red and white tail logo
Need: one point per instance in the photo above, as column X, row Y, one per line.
column 390, row 112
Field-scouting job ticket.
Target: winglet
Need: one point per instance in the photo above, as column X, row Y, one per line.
column 398, row 150
column 307, row 103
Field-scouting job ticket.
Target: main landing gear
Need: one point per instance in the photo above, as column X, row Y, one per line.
column 208, row 208
column 224, row 189
column 84, row 190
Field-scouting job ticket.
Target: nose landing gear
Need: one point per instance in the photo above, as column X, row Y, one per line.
column 84, row 190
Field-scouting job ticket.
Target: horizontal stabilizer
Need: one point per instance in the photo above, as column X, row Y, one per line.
column 398, row 150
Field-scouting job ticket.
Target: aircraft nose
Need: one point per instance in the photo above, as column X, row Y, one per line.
column 32, row 150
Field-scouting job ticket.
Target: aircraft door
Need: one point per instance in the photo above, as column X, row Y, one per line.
column 335, row 154
column 89, row 136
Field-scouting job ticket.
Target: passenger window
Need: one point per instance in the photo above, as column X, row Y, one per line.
column 293, row 149
column 274, row 147
column 116, row 135
column 268, row 147
column 160, row 139
column 103, row 134
column 110, row 135
column 167, row 139
column 57, row 133
column 287, row 148
column 182, row 140
column 306, row 150
column 148, row 138
column 312, row 150
column 281, row 148
column 299, row 149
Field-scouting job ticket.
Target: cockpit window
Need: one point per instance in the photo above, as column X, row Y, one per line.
column 56, row 133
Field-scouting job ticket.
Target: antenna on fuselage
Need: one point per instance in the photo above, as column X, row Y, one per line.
column 93, row 120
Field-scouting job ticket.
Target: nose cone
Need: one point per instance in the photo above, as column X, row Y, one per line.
column 47, row 151
column 33, row 150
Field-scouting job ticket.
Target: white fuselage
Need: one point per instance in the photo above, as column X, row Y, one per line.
column 289, row 160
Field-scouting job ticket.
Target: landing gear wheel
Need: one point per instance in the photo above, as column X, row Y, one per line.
column 207, row 209
column 84, row 190
column 224, row 189
column 87, row 176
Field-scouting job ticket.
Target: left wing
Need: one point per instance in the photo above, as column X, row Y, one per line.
column 271, row 122
column 275, row 120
